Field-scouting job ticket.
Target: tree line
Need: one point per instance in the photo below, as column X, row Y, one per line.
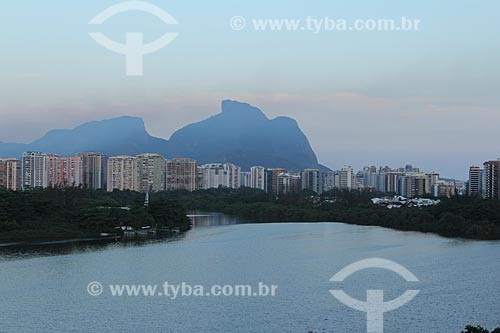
column 465, row 217
column 74, row 213
column 71, row 212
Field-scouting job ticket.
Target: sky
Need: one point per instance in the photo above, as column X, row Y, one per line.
column 428, row 97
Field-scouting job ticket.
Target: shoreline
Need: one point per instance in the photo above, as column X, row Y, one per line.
column 41, row 242
column 81, row 218
column 383, row 227
column 379, row 226
column 49, row 242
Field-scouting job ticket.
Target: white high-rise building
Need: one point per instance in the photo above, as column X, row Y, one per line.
column 346, row 178
column 37, row 169
column 150, row 172
column 233, row 175
column 41, row 170
column 288, row 182
column 312, row 179
column 246, row 179
column 211, row 176
column 258, row 177
column 216, row 175
column 284, row 183
column 122, row 173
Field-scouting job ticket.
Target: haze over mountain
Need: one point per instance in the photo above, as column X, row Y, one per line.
column 240, row 134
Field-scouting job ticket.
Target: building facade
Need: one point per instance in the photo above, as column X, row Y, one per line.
column 346, row 178
column 312, row 179
column 10, row 174
column 216, row 175
column 93, row 175
column 150, row 172
column 122, row 173
column 444, row 189
column 474, row 186
column 37, row 169
column 181, row 174
column 65, row 171
column 258, row 177
column 233, row 175
column 42, row 170
column 331, row 180
column 492, row 179
column 271, row 179
column 246, row 179
column 413, row 185
column 211, row 176
column 288, row 182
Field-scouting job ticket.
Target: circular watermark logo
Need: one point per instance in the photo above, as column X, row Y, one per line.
column 134, row 48
column 237, row 23
column 94, row 288
column 375, row 306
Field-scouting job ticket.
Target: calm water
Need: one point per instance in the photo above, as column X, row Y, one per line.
column 44, row 289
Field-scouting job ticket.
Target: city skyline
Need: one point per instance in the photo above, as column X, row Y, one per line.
column 151, row 172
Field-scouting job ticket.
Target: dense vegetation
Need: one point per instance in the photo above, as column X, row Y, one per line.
column 73, row 213
column 456, row 217
column 479, row 329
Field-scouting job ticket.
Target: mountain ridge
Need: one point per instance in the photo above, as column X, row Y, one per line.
column 241, row 134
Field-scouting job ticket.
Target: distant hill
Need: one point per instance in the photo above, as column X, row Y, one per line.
column 240, row 134
column 118, row 136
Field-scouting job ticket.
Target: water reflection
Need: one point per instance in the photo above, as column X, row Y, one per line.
column 203, row 219
column 14, row 251
column 44, row 249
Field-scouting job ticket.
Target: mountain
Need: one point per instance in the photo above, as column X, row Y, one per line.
column 118, row 136
column 240, row 134
column 243, row 135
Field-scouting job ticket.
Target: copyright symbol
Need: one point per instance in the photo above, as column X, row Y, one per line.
column 237, row 23
column 94, row 288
